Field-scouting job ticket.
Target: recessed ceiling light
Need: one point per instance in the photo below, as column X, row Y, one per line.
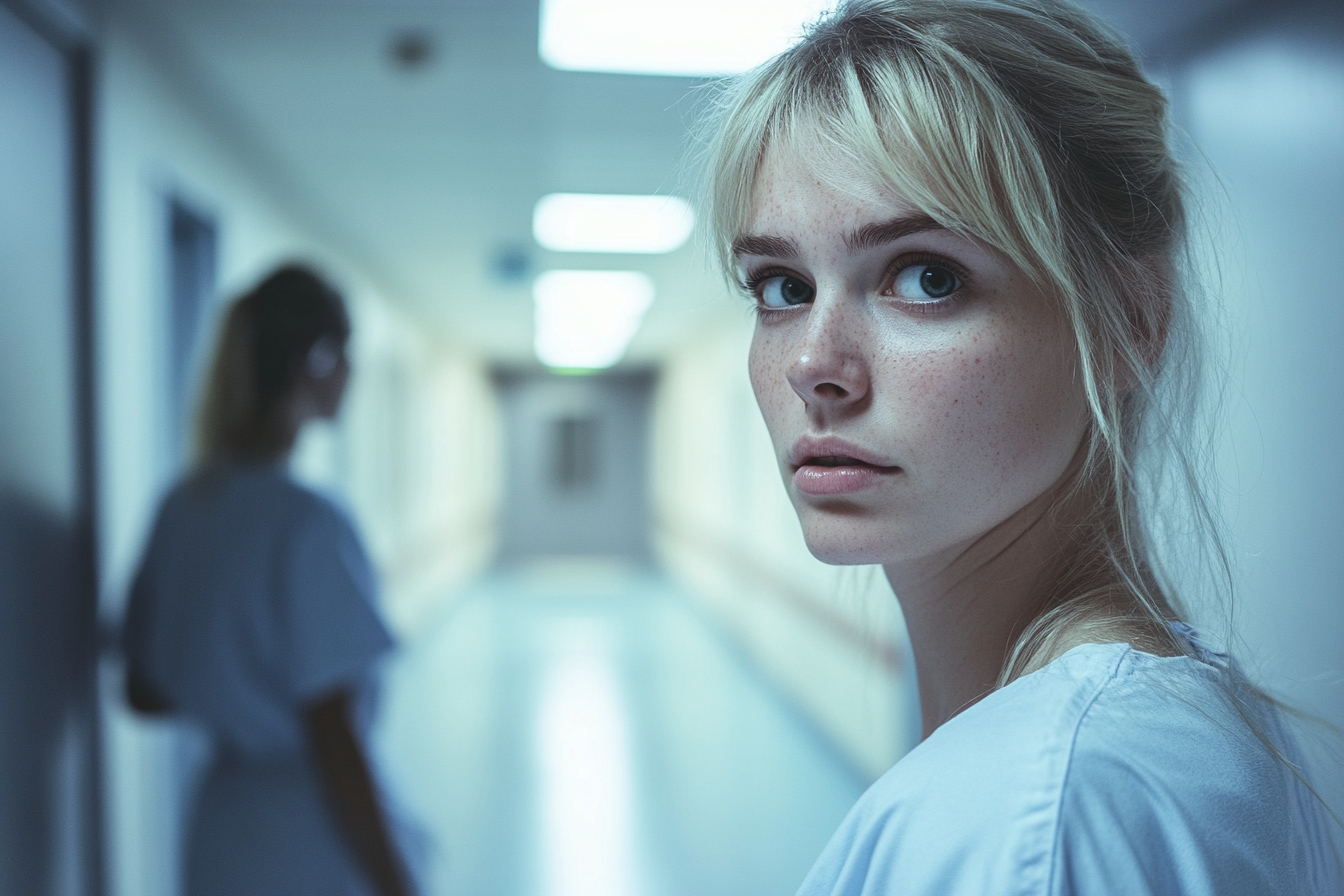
column 411, row 50
column 591, row 222
column 696, row 38
column 586, row 319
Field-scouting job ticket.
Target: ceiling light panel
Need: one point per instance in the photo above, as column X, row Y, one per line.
column 695, row 38
column 589, row 222
column 586, row 319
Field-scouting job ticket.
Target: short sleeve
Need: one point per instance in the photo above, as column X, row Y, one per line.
column 851, row 865
column 332, row 633
column 1130, row 835
column 1164, row 799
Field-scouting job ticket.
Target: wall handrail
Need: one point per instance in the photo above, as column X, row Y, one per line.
column 787, row 592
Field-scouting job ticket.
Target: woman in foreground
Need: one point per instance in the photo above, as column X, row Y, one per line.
column 963, row 229
column 253, row 615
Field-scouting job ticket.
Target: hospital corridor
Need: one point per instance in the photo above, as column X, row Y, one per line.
column 599, row 737
column 611, row 666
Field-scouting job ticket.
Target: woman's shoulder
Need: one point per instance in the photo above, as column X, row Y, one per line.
column 974, row 807
column 1107, row 768
column 1174, row 785
column 261, row 490
column 240, row 513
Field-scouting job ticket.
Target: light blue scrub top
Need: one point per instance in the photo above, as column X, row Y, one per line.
column 1110, row 772
column 255, row 598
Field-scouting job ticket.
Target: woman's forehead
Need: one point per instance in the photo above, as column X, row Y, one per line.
column 783, row 171
column 797, row 206
column 886, row 182
column 792, row 188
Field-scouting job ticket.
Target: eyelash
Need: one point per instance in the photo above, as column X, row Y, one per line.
column 935, row 306
column 751, row 284
column 752, row 281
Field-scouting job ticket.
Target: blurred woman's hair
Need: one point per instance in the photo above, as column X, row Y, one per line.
column 261, row 350
column 1027, row 125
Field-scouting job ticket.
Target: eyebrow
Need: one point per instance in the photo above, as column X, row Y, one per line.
column 772, row 246
column 866, row 237
column 871, row 235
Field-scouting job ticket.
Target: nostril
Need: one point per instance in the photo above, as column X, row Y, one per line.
column 833, row 377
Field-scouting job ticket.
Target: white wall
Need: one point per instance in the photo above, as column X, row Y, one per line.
column 414, row 451
column 831, row 638
column 1267, row 110
column 417, row 455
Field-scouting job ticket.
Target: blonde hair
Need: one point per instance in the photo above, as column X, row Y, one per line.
column 263, row 341
column 1026, row 124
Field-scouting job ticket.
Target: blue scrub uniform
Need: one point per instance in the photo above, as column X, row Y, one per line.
column 254, row 599
column 1110, row 771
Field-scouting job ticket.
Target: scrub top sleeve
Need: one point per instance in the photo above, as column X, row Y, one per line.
column 864, row 858
column 333, row 634
column 1123, row 833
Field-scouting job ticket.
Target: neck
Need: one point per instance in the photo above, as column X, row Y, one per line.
column 966, row 609
column 273, row 447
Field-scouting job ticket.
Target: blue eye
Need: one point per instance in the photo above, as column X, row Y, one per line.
column 925, row 283
column 783, row 292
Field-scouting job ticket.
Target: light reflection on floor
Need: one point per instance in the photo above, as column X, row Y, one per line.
column 594, row 736
column 583, row 752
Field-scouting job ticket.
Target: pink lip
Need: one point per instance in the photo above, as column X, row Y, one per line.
column 859, row 469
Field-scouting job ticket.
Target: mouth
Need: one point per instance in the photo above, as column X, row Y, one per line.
column 836, row 460
column 830, row 451
column 825, row 467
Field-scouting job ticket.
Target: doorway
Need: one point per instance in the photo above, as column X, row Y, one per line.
column 49, row 743
column 576, row 468
column 191, row 250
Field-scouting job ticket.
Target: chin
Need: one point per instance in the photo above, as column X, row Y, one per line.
column 845, row 540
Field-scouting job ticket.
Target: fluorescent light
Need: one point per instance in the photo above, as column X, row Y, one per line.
column 696, row 38
column 587, row 318
column 591, row 222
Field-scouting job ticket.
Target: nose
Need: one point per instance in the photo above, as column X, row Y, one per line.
column 830, row 368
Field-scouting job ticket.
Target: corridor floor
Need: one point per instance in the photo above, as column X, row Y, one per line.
column 594, row 735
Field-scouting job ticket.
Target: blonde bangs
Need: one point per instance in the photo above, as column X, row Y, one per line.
column 921, row 126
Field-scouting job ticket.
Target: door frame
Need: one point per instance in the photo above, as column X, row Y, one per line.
column 68, row 32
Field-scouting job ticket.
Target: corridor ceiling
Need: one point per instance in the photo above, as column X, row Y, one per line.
column 427, row 175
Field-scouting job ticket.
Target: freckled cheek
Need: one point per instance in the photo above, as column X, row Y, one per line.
column 956, row 401
column 1047, row 406
column 769, row 380
column 993, row 408
column 939, row 397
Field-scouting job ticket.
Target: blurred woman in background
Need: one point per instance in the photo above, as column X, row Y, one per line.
column 253, row 614
column 963, row 230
